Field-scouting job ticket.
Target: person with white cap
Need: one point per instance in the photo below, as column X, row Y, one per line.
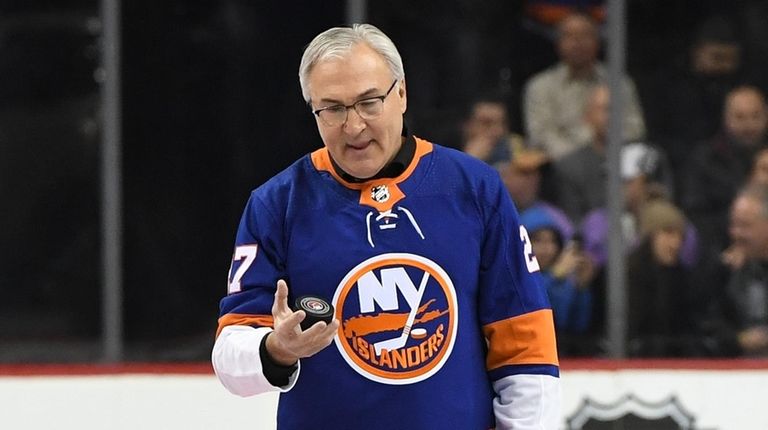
column 581, row 175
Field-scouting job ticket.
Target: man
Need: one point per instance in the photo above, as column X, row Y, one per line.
column 581, row 174
column 439, row 321
column 722, row 164
column 747, row 290
column 684, row 102
column 485, row 131
column 554, row 100
column 524, row 178
column 661, row 321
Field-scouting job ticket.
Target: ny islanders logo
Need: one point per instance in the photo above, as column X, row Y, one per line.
column 398, row 316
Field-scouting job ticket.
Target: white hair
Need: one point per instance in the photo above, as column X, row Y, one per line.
column 337, row 42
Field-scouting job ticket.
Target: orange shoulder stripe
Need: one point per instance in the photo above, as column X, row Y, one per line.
column 244, row 319
column 322, row 161
column 524, row 339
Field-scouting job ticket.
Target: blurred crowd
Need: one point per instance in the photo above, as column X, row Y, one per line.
column 694, row 167
column 212, row 109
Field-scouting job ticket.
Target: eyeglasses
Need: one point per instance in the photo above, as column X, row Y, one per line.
column 369, row 108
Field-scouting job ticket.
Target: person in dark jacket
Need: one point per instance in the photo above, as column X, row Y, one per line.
column 660, row 321
column 719, row 167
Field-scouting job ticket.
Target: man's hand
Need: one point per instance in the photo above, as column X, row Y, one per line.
column 287, row 343
column 734, row 257
column 480, row 146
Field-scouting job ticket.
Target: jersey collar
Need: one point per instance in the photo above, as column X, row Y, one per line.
column 384, row 183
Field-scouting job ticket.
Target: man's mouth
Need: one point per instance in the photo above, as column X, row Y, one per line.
column 359, row 146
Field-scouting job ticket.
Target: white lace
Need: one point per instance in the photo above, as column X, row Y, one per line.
column 390, row 215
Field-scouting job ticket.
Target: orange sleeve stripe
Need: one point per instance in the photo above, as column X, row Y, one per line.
column 244, row 319
column 524, row 339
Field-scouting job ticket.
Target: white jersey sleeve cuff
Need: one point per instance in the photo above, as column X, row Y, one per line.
column 237, row 362
column 527, row 402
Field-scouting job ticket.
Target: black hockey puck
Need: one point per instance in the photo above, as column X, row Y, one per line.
column 316, row 310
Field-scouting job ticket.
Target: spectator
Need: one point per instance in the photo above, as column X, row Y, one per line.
column 660, row 321
column 581, row 175
column 538, row 29
column 685, row 105
column 640, row 167
column 528, row 179
column 735, row 255
column 643, row 171
column 486, row 131
column 554, row 99
column 759, row 174
column 721, row 165
column 745, row 302
column 550, row 13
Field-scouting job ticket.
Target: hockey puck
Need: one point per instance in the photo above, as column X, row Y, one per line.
column 316, row 310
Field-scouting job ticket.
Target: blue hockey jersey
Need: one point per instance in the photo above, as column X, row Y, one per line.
column 431, row 276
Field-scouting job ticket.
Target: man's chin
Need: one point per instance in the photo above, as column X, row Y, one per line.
column 361, row 172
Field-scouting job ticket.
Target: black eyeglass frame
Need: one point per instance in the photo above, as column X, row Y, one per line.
column 316, row 112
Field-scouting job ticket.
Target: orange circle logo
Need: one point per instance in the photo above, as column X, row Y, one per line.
column 398, row 316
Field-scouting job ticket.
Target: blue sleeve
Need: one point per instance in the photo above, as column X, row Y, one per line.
column 514, row 308
column 257, row 265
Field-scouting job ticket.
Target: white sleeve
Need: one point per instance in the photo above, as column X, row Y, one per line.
column 237, row 362
column 527, row 402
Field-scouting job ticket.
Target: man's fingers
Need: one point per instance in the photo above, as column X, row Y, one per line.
column 292, row 321
column 288, row 335
column 323, row 330
column 333, row 327
column 281, row 298
column 282, row 291
column 308, row 342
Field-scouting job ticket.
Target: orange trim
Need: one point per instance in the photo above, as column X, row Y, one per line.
column 524, row 339
column 395, row 195
column 552, row 14
column 322, row 162
column 423, row 148
column 244, row 319
column 388, row 321
column 346, row 288
column 321, row 159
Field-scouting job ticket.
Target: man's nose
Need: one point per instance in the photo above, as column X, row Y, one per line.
column 354, row 124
